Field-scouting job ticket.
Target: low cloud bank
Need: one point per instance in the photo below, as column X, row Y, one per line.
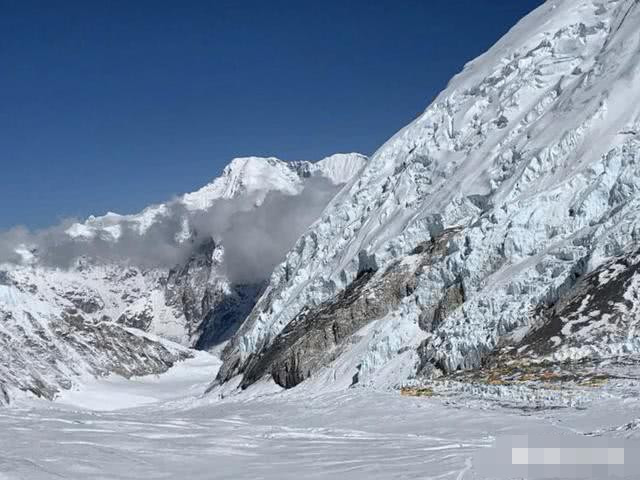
column 255, row 237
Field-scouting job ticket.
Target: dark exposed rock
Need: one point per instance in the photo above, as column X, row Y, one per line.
column 317, row 335
column 604, row 295
column 140, row 319
column 4, row 395
column 187, row 285
column 594, row 313
column 5, row 278
column 431, row 317
column 127, row 354
column 226, row 313
column 213, row 308
column 314, row 338
column 85, row 300
column 436, row 246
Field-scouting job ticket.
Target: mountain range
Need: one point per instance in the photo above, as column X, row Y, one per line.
column 499, row 228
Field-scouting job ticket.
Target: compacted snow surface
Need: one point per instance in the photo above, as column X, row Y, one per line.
column 161, row 427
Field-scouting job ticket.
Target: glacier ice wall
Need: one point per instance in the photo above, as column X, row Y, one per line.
column 531, row 153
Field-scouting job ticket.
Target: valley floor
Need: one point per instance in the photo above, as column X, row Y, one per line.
column 147, row 428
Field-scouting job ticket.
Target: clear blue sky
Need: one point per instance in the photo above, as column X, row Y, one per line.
column 115, row 105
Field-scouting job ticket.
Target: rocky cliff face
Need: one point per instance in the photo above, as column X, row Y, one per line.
column 529, row 160
column 213, row 307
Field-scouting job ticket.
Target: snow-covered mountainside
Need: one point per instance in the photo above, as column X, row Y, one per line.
column 108, row 308
column 522, row 177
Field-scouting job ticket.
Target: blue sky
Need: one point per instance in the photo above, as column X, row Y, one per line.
column 115, row 105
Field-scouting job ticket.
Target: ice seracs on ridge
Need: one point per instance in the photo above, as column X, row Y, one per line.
column 530, row 154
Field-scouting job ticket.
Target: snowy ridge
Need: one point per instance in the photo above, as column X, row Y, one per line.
column 531, row 153
column 247, row 176
column 485, row 265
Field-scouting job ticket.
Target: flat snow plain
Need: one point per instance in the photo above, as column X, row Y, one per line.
column 163, row 428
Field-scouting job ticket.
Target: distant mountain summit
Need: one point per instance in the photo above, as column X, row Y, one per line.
column 243, row 177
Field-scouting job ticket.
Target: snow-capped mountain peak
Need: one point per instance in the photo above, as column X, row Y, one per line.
column 245, row 176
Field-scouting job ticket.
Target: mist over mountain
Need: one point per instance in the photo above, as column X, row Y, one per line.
column 257, row 230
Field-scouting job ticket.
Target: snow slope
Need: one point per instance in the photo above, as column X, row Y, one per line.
column 524, row 173
column 140, row 428
column 186, row 379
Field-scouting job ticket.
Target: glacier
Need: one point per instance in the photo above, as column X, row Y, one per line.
column 162, row 427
